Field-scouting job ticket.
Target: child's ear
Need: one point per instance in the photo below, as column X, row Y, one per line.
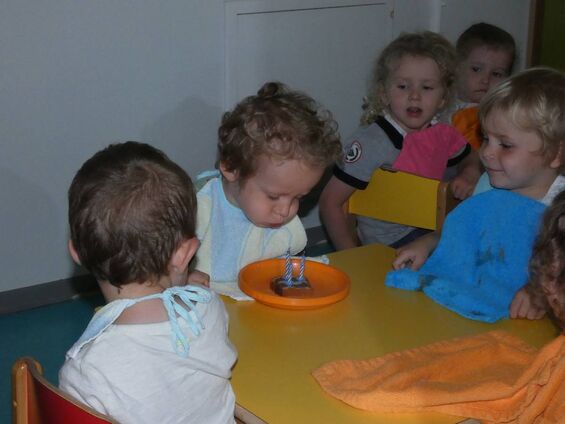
column 73, row 252
column 229, row 175
column 557, row 160
column 382, row 94
column 184, row 253
column 443, row 103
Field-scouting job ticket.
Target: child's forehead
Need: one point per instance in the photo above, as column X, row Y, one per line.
column 489, row 53
column 421, row 65
column 282, row 165
column 507, row 122
column 285, row 174
column 499, row 118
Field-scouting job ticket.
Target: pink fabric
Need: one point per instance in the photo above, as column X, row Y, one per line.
column 426, row 152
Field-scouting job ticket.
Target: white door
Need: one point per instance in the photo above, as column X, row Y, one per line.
column 325, row 48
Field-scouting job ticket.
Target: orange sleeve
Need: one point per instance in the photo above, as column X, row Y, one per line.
column 467, row 122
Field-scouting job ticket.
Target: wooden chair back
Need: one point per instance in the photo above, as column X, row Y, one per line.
column 403, row 198
column 36, row 401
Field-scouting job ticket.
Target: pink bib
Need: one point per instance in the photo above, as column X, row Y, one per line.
column 426, row 152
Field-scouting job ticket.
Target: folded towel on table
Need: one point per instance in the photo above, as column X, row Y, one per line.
column 494, row 377
column 482, row 258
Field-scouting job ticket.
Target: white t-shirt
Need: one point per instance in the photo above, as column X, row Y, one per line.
column 132, row 373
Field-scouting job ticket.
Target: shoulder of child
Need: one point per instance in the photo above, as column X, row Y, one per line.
column 366, row 142
column 496, row 201
column 557, row 187
column 204, row 178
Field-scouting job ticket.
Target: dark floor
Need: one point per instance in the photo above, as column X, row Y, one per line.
column 46, row 333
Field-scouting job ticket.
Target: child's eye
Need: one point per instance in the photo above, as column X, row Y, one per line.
column 273, row 197
column 401, row 86
column 428, row 87
column 505, row 145
column 499, row 75
column 476, row 68
column 485, row 139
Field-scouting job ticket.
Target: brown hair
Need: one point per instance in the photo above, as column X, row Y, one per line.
column 130, row 207
column 420, row 44
column 534, row 101
column 279, row 123
column 485, row 35
column 547, row 264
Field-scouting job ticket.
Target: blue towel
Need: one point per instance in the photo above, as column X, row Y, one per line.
column 482, row 258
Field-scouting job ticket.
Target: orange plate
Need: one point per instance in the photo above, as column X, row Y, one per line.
column 328, row 284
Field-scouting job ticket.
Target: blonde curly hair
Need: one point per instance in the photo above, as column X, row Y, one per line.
column 420, row 44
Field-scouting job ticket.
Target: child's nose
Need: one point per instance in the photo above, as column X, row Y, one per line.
column 487, row 152
column 485, row 79
column 283, row 209
column 414, row 94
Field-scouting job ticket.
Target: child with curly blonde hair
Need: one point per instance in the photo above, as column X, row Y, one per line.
column 413, row 81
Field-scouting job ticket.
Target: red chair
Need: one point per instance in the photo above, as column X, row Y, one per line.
column 36, row 401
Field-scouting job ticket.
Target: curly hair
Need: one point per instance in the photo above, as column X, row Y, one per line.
column 485, row 35
column 547, row 265
column 420, row 44
column 130, row 207
column 281, row 124
column 534, row 101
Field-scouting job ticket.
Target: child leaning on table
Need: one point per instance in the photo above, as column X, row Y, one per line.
column 523, row 148
column 273, row 149
column 545, row 290
column 158, row 351
column 523, row 121
column 412, row 82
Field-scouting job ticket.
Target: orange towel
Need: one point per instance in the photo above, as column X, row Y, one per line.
column 493, row 377
column 467, row 122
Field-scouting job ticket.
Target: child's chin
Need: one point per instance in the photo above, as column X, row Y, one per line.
column 496, row 184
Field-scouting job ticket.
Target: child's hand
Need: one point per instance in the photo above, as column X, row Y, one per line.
column 199, row 277
column 522, row 307
column 462, row 186
column 414, row 254
column 407, row 258
column 468, row 173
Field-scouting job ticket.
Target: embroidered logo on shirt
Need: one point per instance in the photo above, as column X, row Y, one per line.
column 354, row 152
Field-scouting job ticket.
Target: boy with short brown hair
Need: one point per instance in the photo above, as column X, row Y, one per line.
column 158, row 351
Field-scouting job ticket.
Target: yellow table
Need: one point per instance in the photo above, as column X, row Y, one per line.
column 279, row 348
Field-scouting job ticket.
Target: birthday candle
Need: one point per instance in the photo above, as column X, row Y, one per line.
column 288, row 269
column 302, row 265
